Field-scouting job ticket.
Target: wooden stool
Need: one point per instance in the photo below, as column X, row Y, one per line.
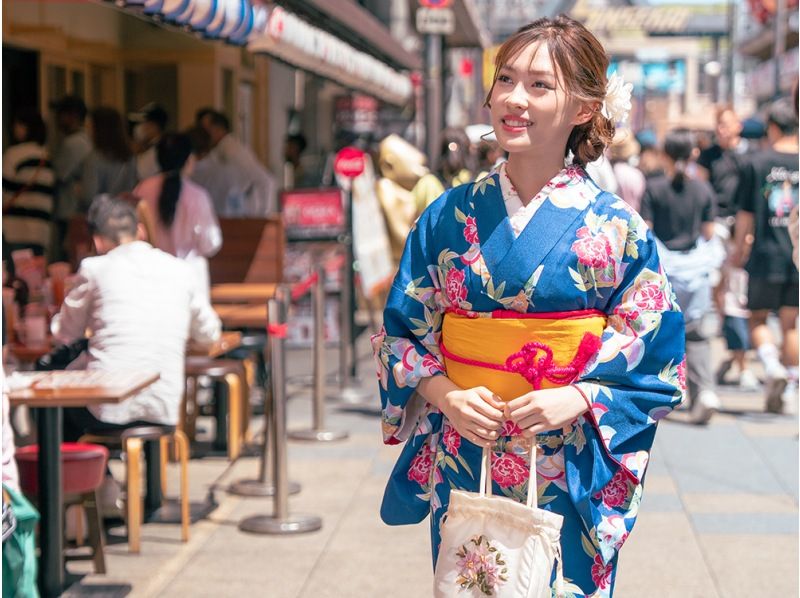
column 84, row 467
column 233, row 374
column 131, row 441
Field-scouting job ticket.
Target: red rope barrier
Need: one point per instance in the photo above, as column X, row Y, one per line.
column 302, row 288
column 278, row 330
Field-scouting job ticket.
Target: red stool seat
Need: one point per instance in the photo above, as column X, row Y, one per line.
column 83, row 467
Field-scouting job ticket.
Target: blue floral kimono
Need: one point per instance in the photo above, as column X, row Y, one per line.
column 583, row 249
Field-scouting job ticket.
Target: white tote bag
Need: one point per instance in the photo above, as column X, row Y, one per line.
column 495, row 546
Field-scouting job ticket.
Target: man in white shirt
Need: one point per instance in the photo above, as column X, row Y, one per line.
column 141, row 307
column 260, row 189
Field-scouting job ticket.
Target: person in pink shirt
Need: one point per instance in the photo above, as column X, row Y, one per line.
column 179, row 214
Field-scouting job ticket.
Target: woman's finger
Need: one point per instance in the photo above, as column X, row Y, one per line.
column 533, row 430
column 485, row 409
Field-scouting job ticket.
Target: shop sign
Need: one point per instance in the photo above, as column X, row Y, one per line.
column 650, row 19
column 357, row 113
column 436, row 21
column 313, row 213
column 349, row 162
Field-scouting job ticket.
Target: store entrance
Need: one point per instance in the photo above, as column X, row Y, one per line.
column 20, row 85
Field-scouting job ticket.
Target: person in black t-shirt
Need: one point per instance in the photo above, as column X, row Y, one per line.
column 681, row 211
column 767, row 194
column 721, row 161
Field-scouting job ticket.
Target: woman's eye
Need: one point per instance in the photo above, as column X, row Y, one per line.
column 541, row 85
column 504, row 78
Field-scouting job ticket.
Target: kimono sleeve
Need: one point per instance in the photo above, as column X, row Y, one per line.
column 407, row 347
column 637, row 378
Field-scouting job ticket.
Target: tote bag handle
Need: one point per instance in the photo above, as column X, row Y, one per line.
column 486, row 476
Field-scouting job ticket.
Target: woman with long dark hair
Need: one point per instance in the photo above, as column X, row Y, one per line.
column 178, row 214
column 681, row 211
column 111, row 167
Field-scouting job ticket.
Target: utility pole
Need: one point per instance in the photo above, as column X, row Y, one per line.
column 433, row 98
column 780, row 43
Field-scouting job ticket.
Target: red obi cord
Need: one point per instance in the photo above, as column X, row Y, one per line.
column 534, row 362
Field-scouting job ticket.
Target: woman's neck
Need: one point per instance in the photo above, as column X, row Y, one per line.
column 529, row 176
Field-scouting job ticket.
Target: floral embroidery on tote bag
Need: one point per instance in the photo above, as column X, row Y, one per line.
column 481, row 565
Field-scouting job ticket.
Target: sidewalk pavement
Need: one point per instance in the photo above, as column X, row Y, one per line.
column 719, row 518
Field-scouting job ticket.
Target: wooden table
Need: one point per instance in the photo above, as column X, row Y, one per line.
column 245, row 292
column 243, row 316
column 51, row 392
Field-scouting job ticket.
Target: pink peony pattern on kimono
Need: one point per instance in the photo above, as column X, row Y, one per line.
column 510, row 429
column 650, row 297
column 451, row 440
column 454, row 286
column 509, row 470
column 601, row 574
column 430, row 364
column 682, row 375
column 471, row 230
column 592, row 251
column 615, row 493
column 420, row 469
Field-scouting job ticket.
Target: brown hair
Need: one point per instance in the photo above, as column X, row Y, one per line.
column 582, row 64
column 108, row 134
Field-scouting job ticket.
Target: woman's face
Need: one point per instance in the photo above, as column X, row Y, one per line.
column 530, row 110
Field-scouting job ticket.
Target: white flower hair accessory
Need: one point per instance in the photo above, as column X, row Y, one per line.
column 617, row 104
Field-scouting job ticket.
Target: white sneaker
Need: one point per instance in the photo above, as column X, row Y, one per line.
column 706, row 405
column 748, row 381
column 774, row 386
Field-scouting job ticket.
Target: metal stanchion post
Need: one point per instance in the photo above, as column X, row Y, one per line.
column 318, row 432
column 349, row 393
column 264, row 484
column 280, row 522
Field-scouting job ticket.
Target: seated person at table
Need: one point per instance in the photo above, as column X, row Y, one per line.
column 140, row 306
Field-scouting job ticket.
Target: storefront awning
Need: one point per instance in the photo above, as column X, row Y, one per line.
column 280, row 33
column 292, row 39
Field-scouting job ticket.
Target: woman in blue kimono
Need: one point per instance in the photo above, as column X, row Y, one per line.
column 536, row 247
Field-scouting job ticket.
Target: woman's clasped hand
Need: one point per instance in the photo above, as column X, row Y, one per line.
column 479, row 415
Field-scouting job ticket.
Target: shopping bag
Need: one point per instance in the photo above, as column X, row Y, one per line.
column 19, row 546
column 495, row 546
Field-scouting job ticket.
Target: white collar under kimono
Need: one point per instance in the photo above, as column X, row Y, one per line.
column 518, row 214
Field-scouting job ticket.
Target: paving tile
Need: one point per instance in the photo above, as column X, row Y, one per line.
column 717, row 458
column 662, row 559
column 754, row 565
column 745, row 523
column 653, row 502
column 698, row 502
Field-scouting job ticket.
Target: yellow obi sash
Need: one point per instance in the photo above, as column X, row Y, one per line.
column 511, row 353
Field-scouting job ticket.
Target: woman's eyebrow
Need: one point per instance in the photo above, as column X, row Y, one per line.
column 531, row 72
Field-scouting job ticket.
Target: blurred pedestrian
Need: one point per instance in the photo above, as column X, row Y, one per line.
column 454, row 167
column 150, row 123
column 215, row 177
column 623, row 152
column 111, row 166
column 650, row 158
column 492, row 266
column 68, row 160
column 720, row 163
column 28, row 186
column 767, row 195
column 260, row 188
column 293, row 147
column 681, row 213
column 177, row 213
